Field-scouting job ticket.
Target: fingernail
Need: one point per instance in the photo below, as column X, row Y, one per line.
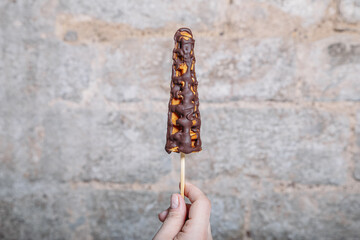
column 174, row 201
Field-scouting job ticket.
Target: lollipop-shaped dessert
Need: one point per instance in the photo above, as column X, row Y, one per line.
column 183, row 129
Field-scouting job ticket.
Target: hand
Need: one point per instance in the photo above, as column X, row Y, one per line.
column 186, row 221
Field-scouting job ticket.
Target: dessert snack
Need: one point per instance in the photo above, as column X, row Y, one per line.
column 183, row 129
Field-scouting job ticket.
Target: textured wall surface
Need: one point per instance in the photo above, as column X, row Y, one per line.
column 84, row 88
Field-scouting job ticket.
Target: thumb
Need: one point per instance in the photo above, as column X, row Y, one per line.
column 174, row 220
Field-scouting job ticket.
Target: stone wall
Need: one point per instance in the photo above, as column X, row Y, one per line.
column 84, row 88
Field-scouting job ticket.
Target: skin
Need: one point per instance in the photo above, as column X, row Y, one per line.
column 183, row 221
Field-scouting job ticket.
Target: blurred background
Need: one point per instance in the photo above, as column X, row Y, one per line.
column 84, row 89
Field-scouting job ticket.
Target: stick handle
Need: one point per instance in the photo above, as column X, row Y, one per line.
column 182, row 174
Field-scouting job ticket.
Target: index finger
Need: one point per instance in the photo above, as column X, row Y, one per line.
column 201, row 206
column 193, row 193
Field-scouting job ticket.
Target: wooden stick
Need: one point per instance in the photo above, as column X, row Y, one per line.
column 182, row 174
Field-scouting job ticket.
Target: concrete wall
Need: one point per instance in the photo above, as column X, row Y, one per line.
column 84, row 88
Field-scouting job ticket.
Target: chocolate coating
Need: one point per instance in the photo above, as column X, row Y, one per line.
column 183, row 129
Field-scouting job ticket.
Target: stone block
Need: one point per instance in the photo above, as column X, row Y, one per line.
column 238, row 185
column 245, row 69
column 53, row 211
column 227, row 217
column 42, row 71
column 306, row 216
column 356, row 156
column 23, row 20
column 303, row 145
column 40, row 66
column 137, row 70
column 329, row 69
column 124, row 214
column 260, row 14
column 151, row 15
column 45, row 211
column 122, row 146
column 350, row 10
column 64, row 143
column 310, row 12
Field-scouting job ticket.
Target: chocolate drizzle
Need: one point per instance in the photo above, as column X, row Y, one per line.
column 183, row 132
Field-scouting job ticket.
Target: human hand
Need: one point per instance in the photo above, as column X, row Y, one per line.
column 186, row 221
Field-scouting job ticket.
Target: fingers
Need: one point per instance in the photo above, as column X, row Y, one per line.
column 174, row 220
column 188, row 205
column 197, row 225
column 193, row 193
column 209, row 233
column 201, row 206
column 162, row 216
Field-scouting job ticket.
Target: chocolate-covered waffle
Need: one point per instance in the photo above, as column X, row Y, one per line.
column 183, row 129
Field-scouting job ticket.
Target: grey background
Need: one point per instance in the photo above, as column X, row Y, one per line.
column 84, row 88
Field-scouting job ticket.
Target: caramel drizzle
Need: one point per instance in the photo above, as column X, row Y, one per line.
column 183, row 133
